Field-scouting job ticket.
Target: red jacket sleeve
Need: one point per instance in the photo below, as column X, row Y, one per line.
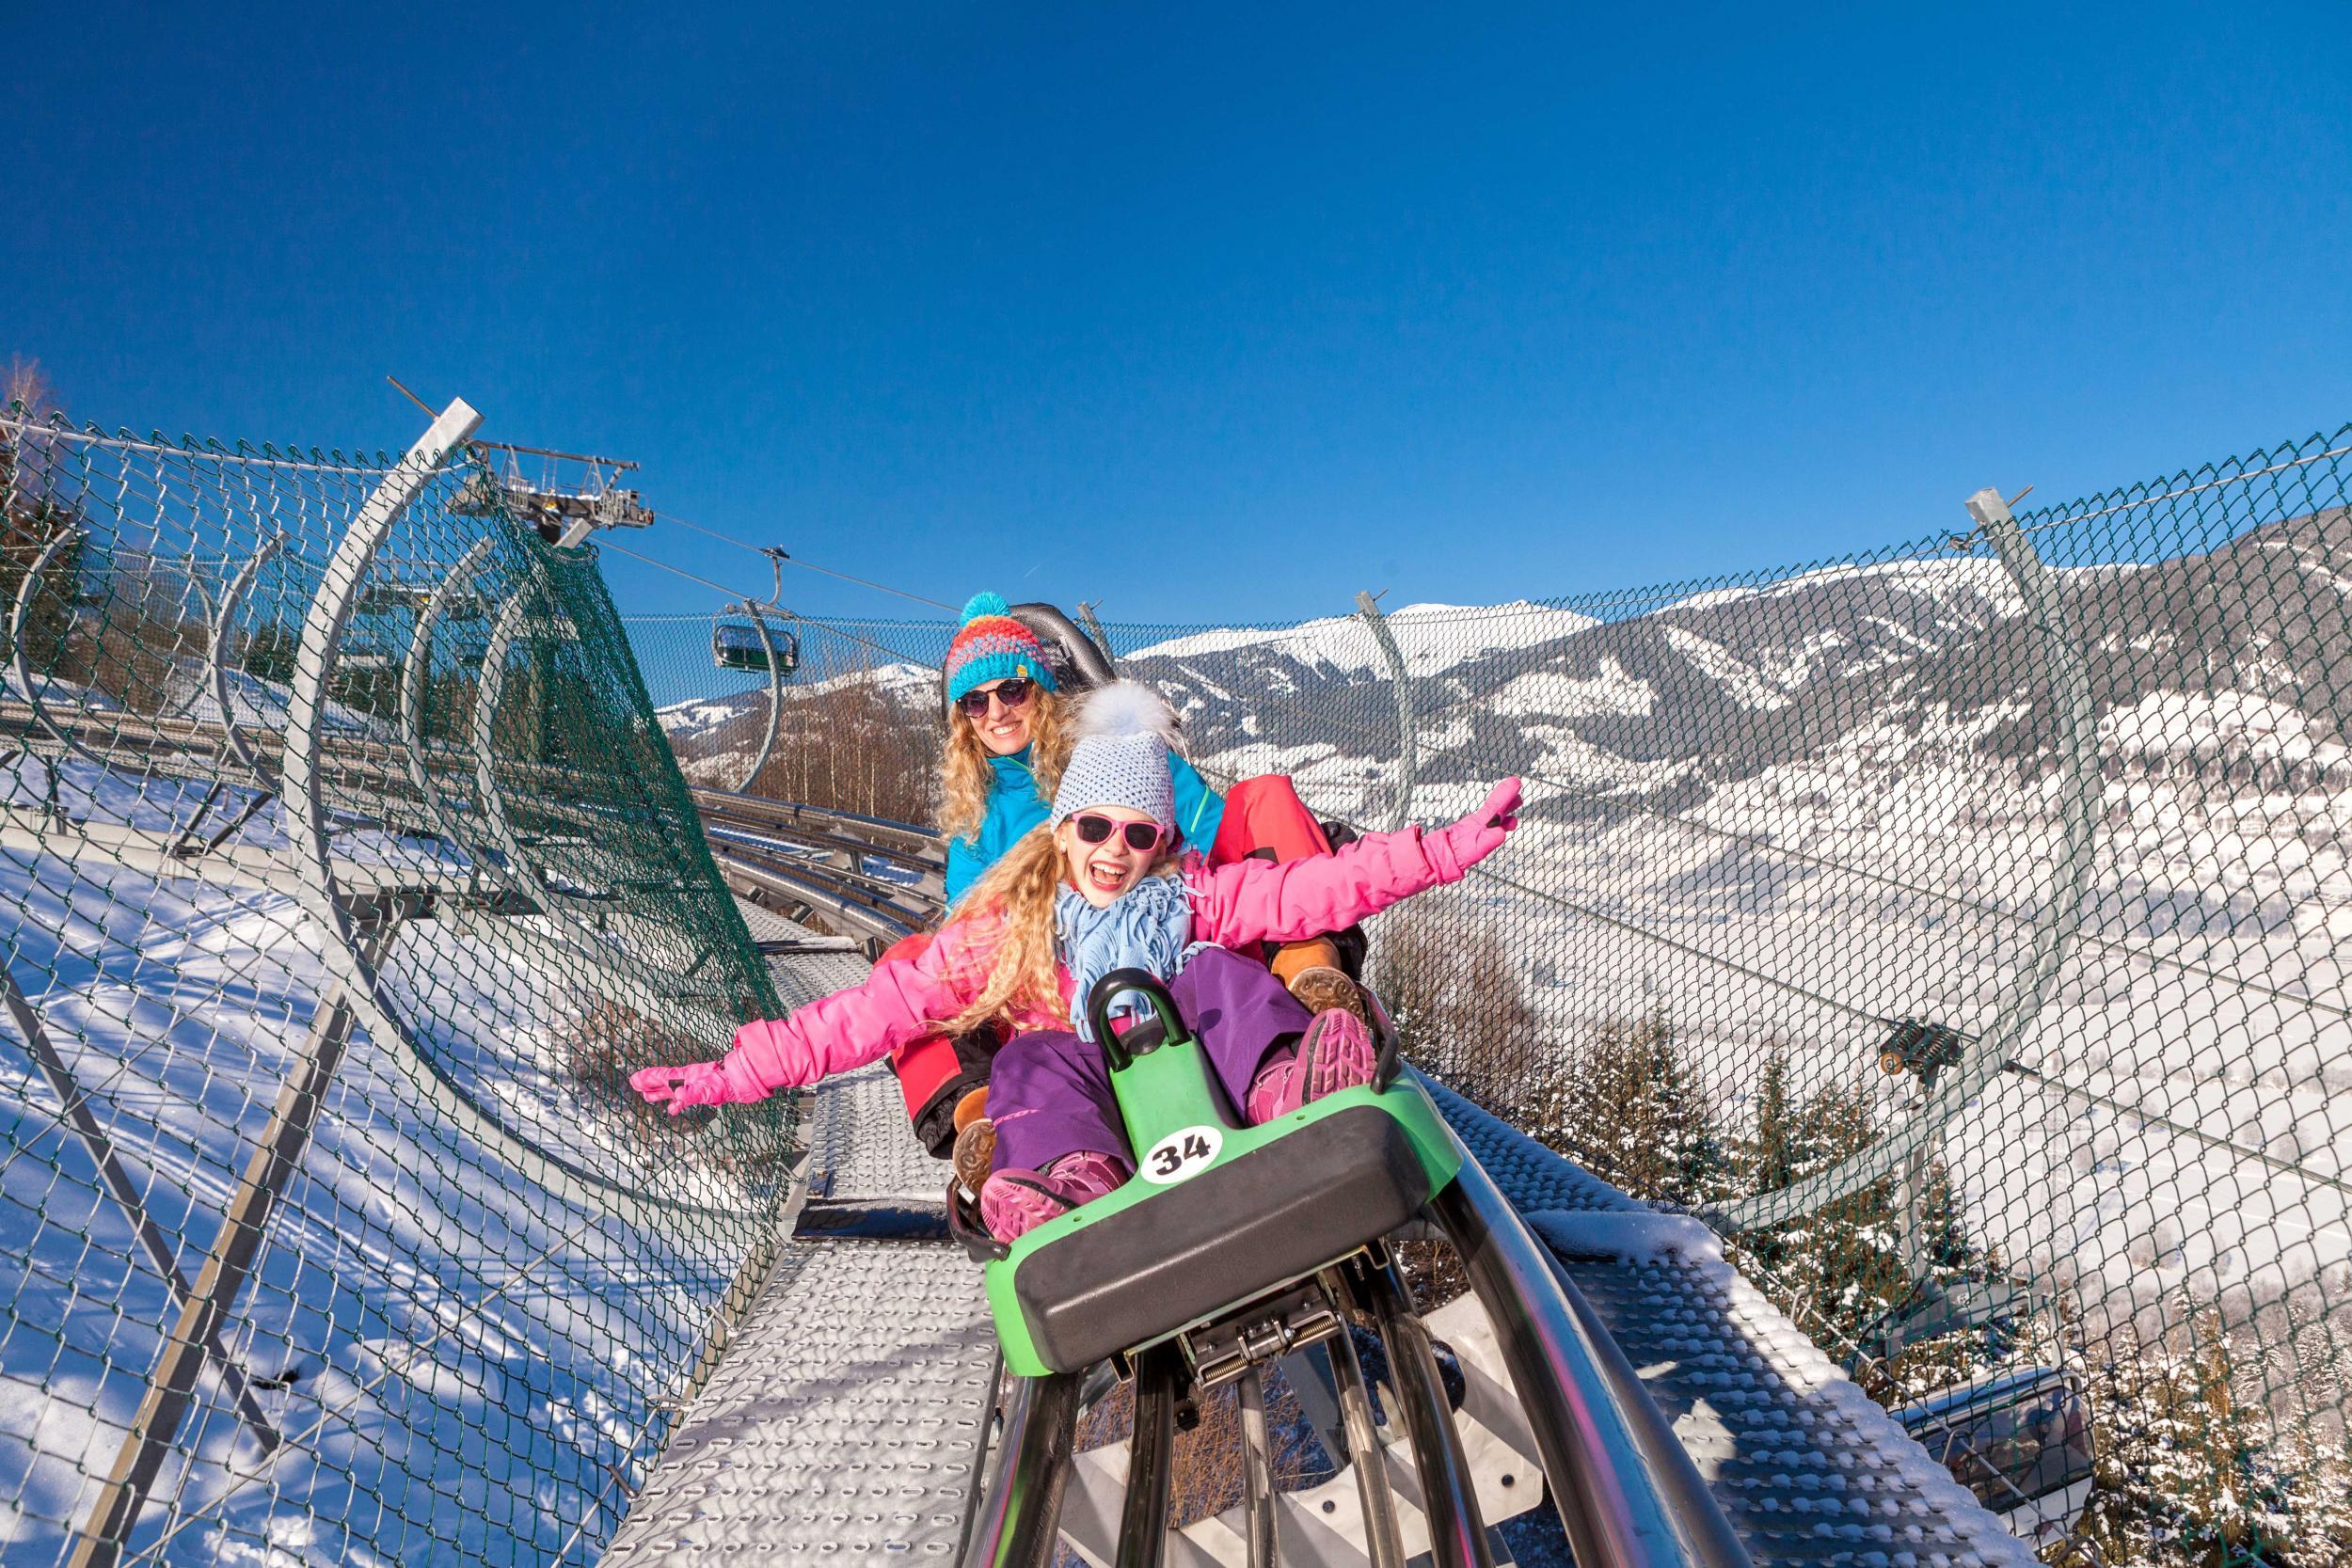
column 903, row 1000
column 1248, row 900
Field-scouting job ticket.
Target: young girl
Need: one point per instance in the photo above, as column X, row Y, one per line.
column 1098, row 888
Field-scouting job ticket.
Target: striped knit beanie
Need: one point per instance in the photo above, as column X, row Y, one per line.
column 991, row 645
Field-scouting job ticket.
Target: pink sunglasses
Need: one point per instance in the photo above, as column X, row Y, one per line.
column 1142, row 837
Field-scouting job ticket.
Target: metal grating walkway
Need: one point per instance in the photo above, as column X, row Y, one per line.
column 849, row 1416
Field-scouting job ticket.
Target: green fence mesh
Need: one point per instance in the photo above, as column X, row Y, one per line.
column 1957, row 926
column 344, row 874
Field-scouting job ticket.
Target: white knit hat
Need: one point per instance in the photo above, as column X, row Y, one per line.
column 1120, row 758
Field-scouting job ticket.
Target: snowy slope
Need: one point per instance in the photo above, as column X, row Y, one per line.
column 1430, row 637
column 463, row 1365
column 1845, row 783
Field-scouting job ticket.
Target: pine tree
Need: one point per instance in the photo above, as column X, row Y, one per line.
column 1783, row 1150
column 1630, row 1110
column 1455, row 995
column 33, row 517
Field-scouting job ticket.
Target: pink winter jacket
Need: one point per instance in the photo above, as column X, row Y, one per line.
column 1233, row 906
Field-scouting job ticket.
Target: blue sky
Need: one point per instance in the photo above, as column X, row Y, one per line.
column 1208, row 313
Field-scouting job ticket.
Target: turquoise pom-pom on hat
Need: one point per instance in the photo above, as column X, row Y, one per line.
column 983, row 604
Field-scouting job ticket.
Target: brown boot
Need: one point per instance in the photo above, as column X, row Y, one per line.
column 1311, row 970
column 1293, row 956
column 974, row 1155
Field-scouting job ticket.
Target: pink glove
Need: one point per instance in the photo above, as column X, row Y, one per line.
column 694, row 1084
column 1455, row 849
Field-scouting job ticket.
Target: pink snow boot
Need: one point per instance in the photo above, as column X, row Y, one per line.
column 1015, row 1202
column 1334, row 1054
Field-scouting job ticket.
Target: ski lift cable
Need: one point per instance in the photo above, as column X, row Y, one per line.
column 774, row 553
column 766, row 604
column 2198, row 1134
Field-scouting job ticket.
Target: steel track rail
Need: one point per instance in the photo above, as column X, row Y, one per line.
column 793, row 891
column 1628, row 1495
column 882, row 894
column 917, row 848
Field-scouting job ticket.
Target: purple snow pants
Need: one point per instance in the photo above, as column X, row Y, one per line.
column 1050, row 1093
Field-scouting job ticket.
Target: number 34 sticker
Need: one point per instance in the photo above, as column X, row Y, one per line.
column 1182, row 1155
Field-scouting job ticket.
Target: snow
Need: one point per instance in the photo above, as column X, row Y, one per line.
column 471, row 1365
column 1978, row 579
column 1432, row 638
column 2231, row 723
column 1637, row 1239
column 697, row 716
column 1900, row 865
column 1556, row 696
column 254, row 702
column 55, row 693
column 1741, row 679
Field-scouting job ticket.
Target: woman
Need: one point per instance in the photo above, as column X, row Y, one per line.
column 1007, row 741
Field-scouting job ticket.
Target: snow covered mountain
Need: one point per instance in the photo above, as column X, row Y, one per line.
column 717, row 738
column 1662, row 704
column 1671, row 702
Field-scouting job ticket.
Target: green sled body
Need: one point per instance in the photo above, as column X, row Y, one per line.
column 1216, row 1213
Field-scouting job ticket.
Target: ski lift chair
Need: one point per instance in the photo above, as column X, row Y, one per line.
column 750, row 647
column 2018, row 1438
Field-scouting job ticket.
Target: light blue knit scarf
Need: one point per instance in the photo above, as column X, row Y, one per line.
column 1149, row 928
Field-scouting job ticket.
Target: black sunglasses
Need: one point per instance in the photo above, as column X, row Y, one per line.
column 1015, row 693
column 1142, row 837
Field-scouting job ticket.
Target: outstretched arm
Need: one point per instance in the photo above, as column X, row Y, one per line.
column 901, row 1001
column 1252, row 900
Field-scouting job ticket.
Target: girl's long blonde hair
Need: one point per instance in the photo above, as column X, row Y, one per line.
column 1017, row 894
column 965, row 777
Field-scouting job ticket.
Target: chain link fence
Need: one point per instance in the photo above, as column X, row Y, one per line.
column 1957, row 926
column 346, row 875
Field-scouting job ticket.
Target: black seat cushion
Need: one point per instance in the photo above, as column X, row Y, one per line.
column 1257, row 1221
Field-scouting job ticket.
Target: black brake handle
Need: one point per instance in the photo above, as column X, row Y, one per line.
column 1107, row 991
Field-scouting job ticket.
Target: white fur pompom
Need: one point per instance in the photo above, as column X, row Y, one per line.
column 1126, row 708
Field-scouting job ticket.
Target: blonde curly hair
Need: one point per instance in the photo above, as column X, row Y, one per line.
column 1017, row 895
column 965, row 777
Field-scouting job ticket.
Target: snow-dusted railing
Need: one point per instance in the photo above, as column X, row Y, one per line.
column 1958, row 924
column 344, row 875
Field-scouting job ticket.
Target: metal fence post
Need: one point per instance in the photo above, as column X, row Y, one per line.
column 205, row 1306
column 776, row 702
column 216, row 657
column 1094, row 629
column 2068, row 684
column 1406, row 753
column 118, row 1182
